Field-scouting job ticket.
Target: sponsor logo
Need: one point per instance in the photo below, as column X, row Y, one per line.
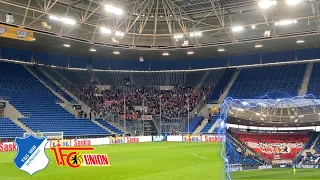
column 212, row 139
column 2, row 30
column 82, row 142
column 9, row 146
column 157, row 138
column 75, row 159
column 22, row 34
column 191, row 138
column 31, row 156
column 132, row 139
column 283, row 165
column 116, row 140
column 60, row 143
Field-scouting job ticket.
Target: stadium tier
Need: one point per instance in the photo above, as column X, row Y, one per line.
column 312, row 156
column 256, row 82
column 51, row 84
column 314, row 82
column 8, row 129
column 274, row 146
column 34, row 100
column 210, row 123
column 109, row 126
column 236, row 154
column 193, row 124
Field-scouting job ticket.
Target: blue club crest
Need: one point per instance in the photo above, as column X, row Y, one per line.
column 31, row 156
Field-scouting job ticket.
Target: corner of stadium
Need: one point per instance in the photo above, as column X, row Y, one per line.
column 159, row 89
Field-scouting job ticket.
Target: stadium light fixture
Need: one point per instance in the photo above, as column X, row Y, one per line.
column 116, row 52
column 258, row 46
column 63, row 20
column 221, row 50
column 258, row 114
column 253, row 26
column 265, row 4
column 165, row 54
column 92, row 50
column 105, row 30
column 114, row 10
column 286, row 22
column 237, row 28
column 300, row 41
column 178, row 36
column 195, row 34
column 293, row 2
column 119, row 34
column 190, row 52
column 67, row 45
column 240, row 109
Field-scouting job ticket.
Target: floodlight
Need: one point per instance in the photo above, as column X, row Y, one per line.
column 112, row 9
column 265, row 4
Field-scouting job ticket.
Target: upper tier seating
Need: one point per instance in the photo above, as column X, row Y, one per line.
column 140, row 79
column 32, row 98
column 269, row 145
column 256, row 82
column 77, row 77
column 50, row 83
column 9, row 129
column 314, row 82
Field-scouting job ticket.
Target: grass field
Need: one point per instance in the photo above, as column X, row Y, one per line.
column 281, row 173
column 143, row 161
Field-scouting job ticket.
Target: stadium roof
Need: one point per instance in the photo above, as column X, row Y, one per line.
column 165, row 25
column 284, row 111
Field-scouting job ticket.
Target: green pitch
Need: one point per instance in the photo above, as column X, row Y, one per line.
column 143, row 161
column 281, row 173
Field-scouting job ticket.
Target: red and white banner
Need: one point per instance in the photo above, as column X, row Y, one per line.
column 7, row 146
column 211, row 138
column 129, row 117
column 132, row 139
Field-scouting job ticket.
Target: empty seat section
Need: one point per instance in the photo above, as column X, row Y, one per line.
column 50, row 83
column 314, row 83
column 277, row 81
column 33, row 99
column 9, row 129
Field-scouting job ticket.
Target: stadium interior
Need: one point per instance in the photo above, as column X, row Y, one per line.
column 245, row 71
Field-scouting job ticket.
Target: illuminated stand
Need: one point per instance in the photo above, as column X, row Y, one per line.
column 298, row 113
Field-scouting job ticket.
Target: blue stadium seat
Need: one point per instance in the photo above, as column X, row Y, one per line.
column 9, row 129
column 109, row 126
column 35, row 101
column 314, row 82
column 50, row 83
column 196, row 121
column 210, row 123
column 236, row 157
column 256, row 82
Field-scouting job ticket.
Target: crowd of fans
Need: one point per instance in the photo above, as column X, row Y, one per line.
column 274, row 146
column 174, row 103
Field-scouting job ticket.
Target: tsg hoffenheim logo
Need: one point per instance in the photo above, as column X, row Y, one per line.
column 31, row 156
